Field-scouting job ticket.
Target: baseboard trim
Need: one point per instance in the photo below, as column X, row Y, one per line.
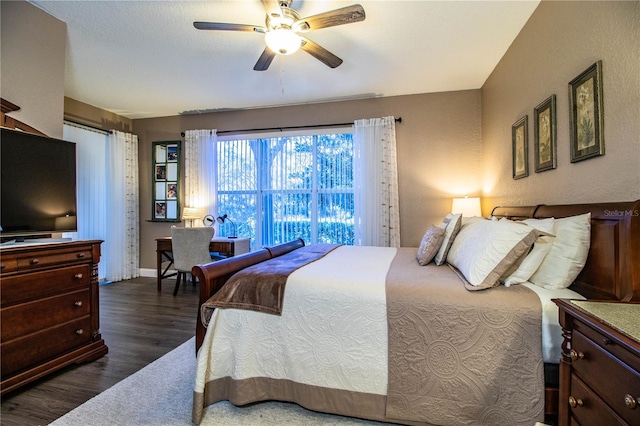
column 152, row 273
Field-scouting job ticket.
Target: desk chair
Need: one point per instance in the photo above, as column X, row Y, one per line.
column 190, row 247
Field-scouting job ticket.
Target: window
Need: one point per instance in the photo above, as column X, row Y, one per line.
column 278, row 188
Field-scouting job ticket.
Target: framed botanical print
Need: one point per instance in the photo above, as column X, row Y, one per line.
column 544, row 135
column 166, row 181
column 520, row 148
column 586, row 114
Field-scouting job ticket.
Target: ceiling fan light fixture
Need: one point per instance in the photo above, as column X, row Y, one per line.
column 283, row 41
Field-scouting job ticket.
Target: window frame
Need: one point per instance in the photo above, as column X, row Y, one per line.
column 314, row 192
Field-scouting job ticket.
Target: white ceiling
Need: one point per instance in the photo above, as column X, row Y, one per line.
column 145, row 59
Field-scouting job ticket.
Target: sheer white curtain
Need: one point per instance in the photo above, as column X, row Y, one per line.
column 375, row 176
column 200, row 174
column 91, row 185
column 121, row 247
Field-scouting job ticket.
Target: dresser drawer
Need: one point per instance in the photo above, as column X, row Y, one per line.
column 23, row 353
column 609, row 377
column 8, row 263
column 53, row 258
column 27, row 318
column 17, row 289
column 587, row 409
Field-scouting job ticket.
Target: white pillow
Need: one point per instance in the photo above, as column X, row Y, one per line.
column 451, row 225
column 541, row 247
column 483, row 251
column 472, row 219
column 568, row 253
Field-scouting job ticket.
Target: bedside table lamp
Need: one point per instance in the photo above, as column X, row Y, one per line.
column 469, row 207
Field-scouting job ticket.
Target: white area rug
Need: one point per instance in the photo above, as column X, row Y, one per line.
column 162, row 393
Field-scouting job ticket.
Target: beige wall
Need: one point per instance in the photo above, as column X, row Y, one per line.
column 91, row 116
column 32, row 65
column 438, row 143
column 560, row 40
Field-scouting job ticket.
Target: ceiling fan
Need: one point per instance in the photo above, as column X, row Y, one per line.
column 284, row 28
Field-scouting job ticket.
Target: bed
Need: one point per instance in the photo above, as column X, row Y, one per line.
column 402, row 343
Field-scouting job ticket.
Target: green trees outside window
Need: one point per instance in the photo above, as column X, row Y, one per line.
column 281, row 188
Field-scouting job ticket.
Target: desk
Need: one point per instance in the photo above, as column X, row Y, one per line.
column 227, row 247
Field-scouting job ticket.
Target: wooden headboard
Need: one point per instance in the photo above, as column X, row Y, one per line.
column 612, row 271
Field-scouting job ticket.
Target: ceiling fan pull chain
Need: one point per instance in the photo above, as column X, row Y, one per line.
column 282, row 59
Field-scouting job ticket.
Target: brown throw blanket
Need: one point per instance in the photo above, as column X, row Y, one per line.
column 261, row 287
column 461, row 357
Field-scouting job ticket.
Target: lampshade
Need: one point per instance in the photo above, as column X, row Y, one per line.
column 190, row 213
column 283, row 41
column 466, row 206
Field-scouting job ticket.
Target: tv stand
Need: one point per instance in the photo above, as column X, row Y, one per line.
column 49, row 314
column 10, row 239
column 33, row 241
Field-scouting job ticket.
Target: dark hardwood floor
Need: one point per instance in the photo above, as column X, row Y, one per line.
column 138, row 324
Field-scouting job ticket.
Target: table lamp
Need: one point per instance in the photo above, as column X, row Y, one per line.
column 190, row 214
column 223, row 219
column 468, row 207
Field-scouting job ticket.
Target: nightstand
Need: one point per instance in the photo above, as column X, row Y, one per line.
column 600, row 366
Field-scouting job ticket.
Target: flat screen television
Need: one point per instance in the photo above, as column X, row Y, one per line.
column 37, row 185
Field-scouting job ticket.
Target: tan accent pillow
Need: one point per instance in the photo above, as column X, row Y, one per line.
column 451, row 225
column 430, row 244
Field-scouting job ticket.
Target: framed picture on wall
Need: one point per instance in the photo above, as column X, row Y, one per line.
column 520, row 147
column 544, row 135
column 166, row 181
column 586, row 114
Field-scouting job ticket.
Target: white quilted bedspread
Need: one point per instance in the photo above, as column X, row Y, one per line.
column 318, row 340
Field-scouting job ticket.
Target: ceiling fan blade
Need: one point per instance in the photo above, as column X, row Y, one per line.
column 320, row 53
column 345, row 15
column 264, row 60
column 228, row 27
column 271, row 7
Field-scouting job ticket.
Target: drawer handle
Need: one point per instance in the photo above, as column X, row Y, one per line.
column 34, row 261
column 79, row 331
column 607, row 341
column 575, row 402
column 630, row 401
column 77, row 276
column 78, row 303
column 575, row 355
column 80, row 255
column 2, row 266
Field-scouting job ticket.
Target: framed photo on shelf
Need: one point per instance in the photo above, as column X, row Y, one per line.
column 520, row 147
column 586, row 114
column 544, row 135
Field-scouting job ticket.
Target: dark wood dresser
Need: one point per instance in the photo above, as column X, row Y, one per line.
column 49, row 309
column 600, row 366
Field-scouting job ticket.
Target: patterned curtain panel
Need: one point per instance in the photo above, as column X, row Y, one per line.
column 377, row 219
column 200, row 186
column 121, row 246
